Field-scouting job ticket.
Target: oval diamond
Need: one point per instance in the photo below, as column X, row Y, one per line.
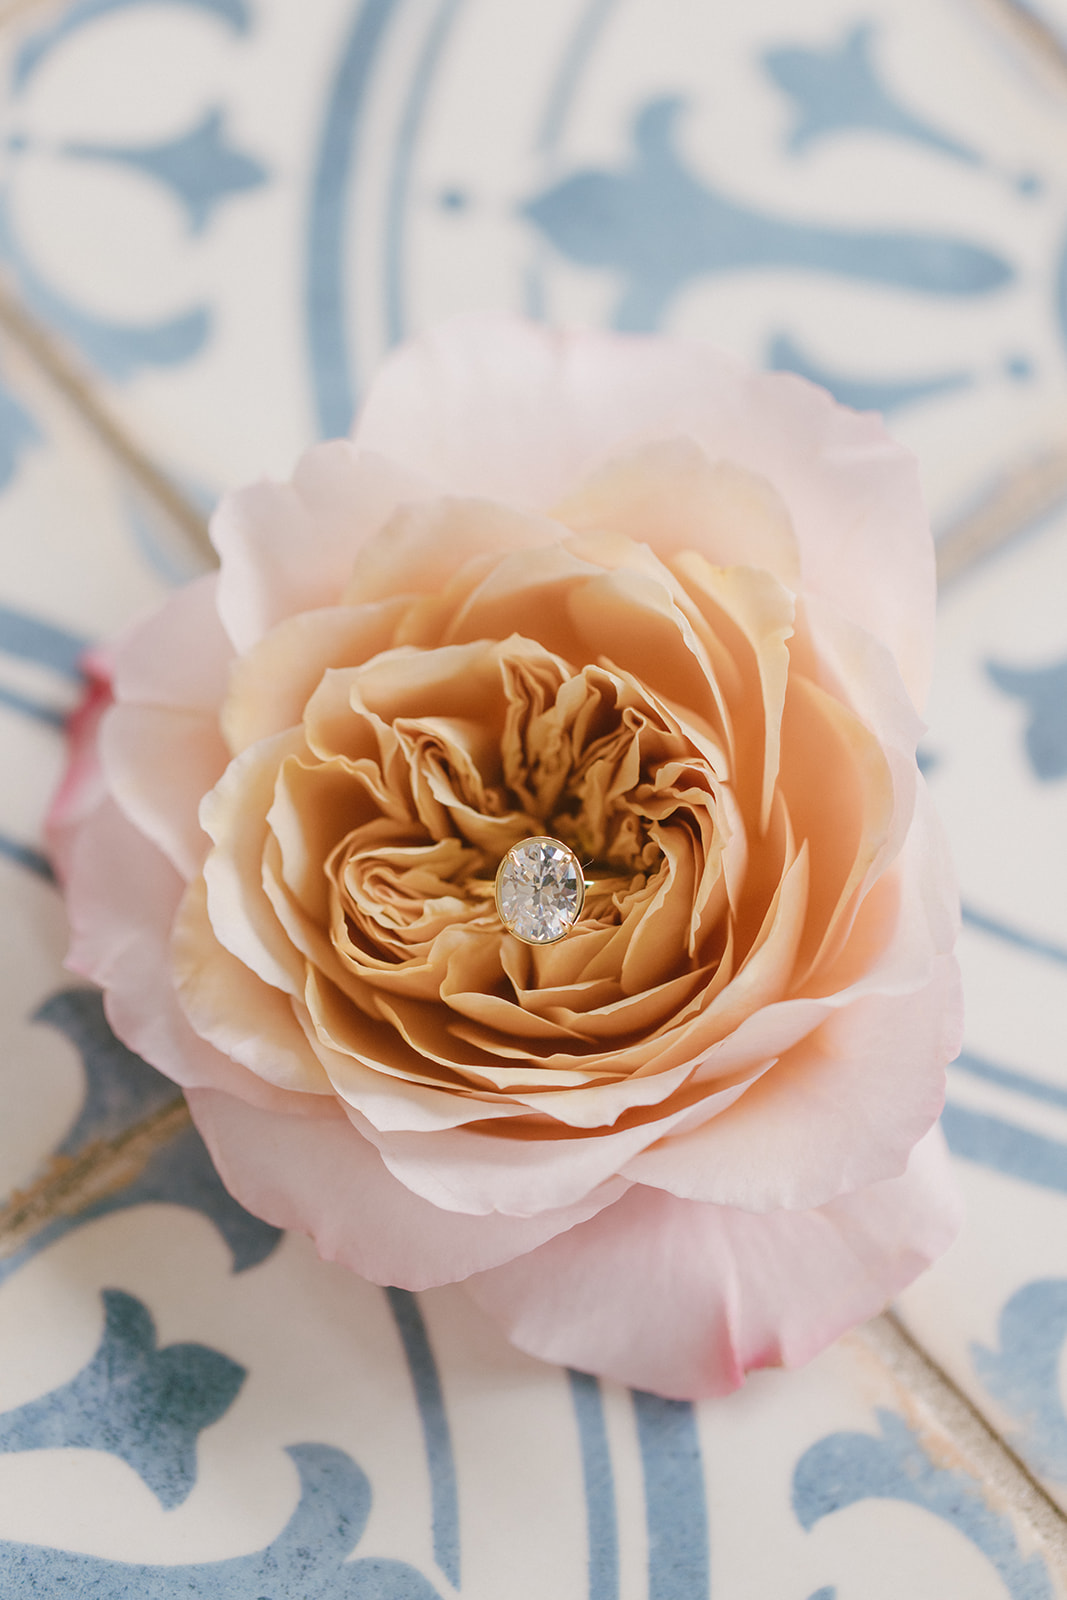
column 539, row 890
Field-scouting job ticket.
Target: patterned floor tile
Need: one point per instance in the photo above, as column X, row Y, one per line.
column 995, row 1310
column 82, row 555
column 229, row 210
column 231, row 214
column 168, row 1425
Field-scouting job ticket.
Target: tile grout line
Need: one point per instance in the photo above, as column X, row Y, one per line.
column 69, row 1184
column 11, row 11
column 1015, row 502
column 1039, row 42
column 50, row 357
column 982, row 1450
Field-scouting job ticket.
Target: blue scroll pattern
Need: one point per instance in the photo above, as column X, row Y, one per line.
column 309, row 1558
column 846, row 1468
column 1023, row 1373
column 143, row 1404
column 201, row 169
column 660, row 227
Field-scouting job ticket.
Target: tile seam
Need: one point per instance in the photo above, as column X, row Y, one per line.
column 12, row 10
column 1040, row 45
column 69, row 1184
column 989, row 1458
column 1015, row 502
column 51, row 358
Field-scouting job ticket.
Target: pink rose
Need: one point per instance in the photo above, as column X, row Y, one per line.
column 617, row 591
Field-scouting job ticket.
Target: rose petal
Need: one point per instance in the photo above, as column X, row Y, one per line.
column 122, row 896
column 83, row 787
column 670, row 496
column 288, row 548
column 180, row 655
column 270, row 684
column 233, row 1009
column 683, row 1299
column 475, row 1171
column 842, row 1109
column 495, row 407
column 234, row 813
column 320, row 1177
column 160, row 761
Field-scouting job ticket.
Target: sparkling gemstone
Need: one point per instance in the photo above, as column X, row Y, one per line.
column 539, row 890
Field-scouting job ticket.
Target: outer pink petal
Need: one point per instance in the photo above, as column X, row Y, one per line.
column 496, row 407
column 319, row 1176
column 476, row 1172
column 841, row 1110
column 179, row 655
column 288, row 548
column 83, row 787
column 683, row 1299
column 160, row 762
column 122, row 895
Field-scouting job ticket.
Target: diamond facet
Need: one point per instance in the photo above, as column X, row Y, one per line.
column 539, row 890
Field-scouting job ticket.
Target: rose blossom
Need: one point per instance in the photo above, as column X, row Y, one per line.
column 623, row 593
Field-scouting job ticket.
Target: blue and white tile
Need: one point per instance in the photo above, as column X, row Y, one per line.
column 993, row 1312
column 82, row 555
column 169, row 1425
column 233, row 211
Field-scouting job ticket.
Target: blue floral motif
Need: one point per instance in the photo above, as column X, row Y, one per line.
column 18, row 433
column 179, row 1173
column 437, row 1435
column 120, row 1087
column 1007, row 1148
column 1023, row 1374
column 143, row 1404
column 39, row 46
column 840, row 90
column 25, row 856
column 679, row 1558
column 660, row 227
column 863, row 394
column 1043, row 690
column 200, row 168
column 846, row 1468
column 29, row 638
column 598, row 1481
column 307, row 1561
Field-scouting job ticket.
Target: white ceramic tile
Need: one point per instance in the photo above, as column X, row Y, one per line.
column 162, row 1416
column 234, row 207
column 81, row 555
column 995, row 1310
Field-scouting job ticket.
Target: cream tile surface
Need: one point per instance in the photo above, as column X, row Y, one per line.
column 226, row 211
column 82, row 555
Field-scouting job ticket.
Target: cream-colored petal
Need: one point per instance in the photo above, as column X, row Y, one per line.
column 424, row 548
column 764, row 612
column 271, row 683
column 234, row 1009
column 670, row 496
column 234, row 813
column 286, row 548
column 838, row 786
